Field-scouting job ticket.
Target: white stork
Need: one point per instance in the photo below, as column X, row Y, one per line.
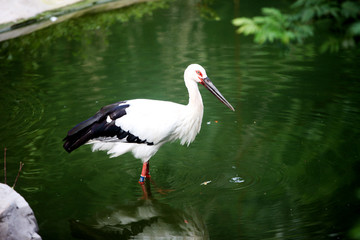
column 142, row 126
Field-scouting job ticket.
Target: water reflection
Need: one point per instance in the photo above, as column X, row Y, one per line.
column 145, row 218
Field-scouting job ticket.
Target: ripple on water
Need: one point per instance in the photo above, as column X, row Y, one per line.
column 25, row 110
column 237, row 180
column 258, row 176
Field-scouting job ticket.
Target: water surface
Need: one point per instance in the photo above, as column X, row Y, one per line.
column 284, row 165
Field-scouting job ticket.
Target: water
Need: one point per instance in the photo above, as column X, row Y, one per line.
column 284, row 165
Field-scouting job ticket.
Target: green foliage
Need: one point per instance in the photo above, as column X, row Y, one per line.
column 273, row 26
column 340, row 20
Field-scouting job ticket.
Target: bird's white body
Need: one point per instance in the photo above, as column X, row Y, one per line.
column 157, row 122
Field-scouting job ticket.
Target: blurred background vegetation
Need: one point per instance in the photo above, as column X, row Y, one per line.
column 94, row 26
column 337, row 23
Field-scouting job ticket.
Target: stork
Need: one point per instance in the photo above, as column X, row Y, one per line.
column 142, row 126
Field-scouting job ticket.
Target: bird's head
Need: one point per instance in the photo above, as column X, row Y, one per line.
column 196, row 73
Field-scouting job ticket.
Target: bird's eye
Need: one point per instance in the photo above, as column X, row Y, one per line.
column 198, row 73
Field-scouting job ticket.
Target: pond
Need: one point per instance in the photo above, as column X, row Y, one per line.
column 284, row 165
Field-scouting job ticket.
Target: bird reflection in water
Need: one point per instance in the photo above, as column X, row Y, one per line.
column 144, row 219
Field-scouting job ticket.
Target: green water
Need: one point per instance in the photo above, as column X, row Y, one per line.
column 284, row 165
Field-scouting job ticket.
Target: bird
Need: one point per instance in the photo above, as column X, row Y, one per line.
column 142, row 126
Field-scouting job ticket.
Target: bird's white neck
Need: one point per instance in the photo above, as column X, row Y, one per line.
column 195, row 100
column 193, row 115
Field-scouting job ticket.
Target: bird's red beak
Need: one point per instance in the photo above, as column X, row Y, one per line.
column 206, row 82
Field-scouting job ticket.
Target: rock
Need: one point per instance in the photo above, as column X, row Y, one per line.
column 17, row 220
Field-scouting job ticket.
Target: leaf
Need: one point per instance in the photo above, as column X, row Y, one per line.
column 260, row 37
column 307, row 14
column 298, row 3
column 334, row 12
column 246, row 26
column 260, row 20
column 287, row 37
column 241, row 21
column 350, row 9
column 304, row 30
column 354, row 29
column 248, row 29
column 271, row 12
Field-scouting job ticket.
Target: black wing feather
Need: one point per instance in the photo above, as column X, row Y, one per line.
column 116, row 109
column 96, row 126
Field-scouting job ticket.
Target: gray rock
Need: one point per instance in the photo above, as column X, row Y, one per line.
column 17, row 220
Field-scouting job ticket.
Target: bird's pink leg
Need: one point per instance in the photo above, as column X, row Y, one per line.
column 145, row 172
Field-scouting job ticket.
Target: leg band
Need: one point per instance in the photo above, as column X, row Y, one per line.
column 142, row 179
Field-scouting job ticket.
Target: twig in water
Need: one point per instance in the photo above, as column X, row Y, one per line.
column 5, row 164
column 21, row 165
